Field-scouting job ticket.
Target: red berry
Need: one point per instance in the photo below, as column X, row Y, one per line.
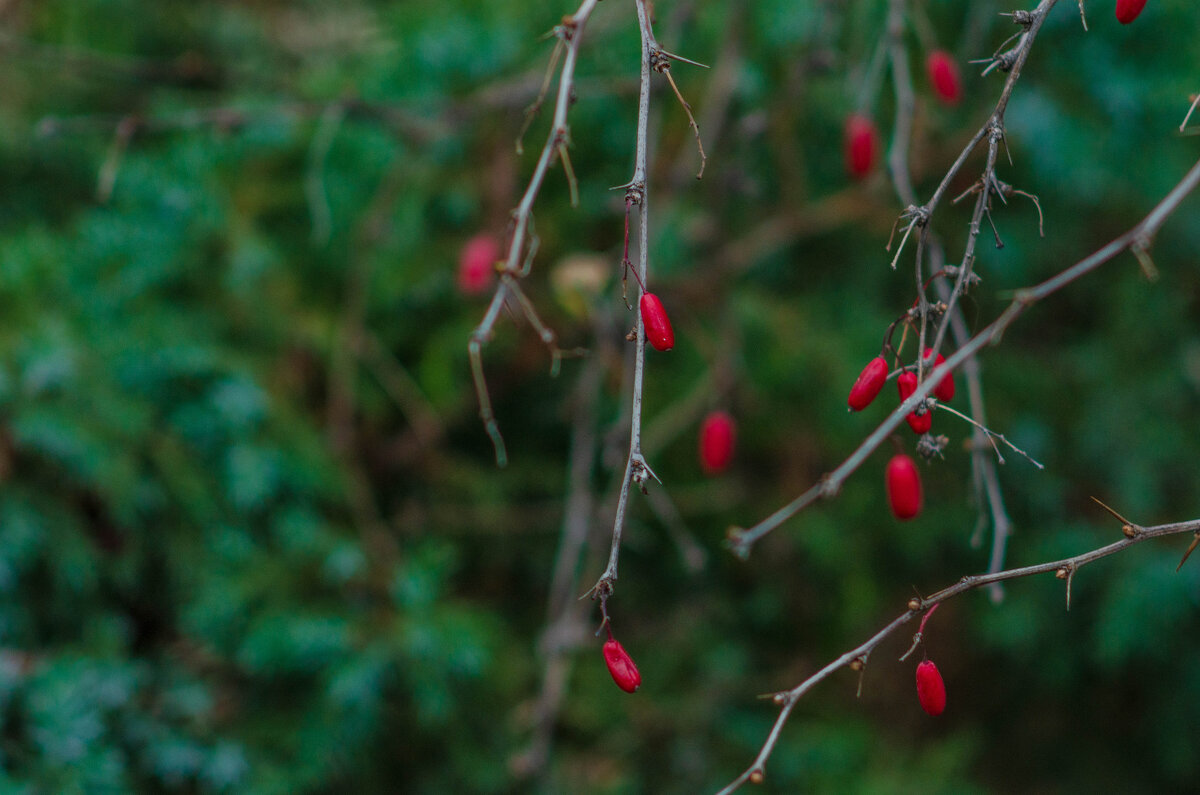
column 907, row 384
column 944, row 76
column 658, row 327
column 477, row 264
column 1128, row 10
column 944, row 391
column 621, row 666
column 903, row 487
column 717, row 436
column 862, row 146
column 869, row 382
column 931, row 690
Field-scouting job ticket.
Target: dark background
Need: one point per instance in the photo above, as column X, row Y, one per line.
column 252, row 536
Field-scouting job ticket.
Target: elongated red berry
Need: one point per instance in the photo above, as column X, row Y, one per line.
column 944, row 77
column 717, row 436
column 621, row 666
column 944, row 391
column 862, row 146
column 658, row 327
column 907, row 384
column 477, row 264
column 903, row 487
column 869, row 382
column 1128, row 10
column 931, row 690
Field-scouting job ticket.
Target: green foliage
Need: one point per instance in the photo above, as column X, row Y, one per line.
column 251, row 535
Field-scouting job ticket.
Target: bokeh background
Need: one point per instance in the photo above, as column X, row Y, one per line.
column 252, row 536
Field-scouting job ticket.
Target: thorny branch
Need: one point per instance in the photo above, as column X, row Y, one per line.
column 992, row 130
column 636, row 468
column 742, row 540
column 988, row 495
column 856, row 658
column 515, row 265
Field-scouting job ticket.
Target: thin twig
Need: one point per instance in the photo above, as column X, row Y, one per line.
column 993, row 435
column 565, row 618
column 570, row 32
column 1192, row 109
column 687, row 108
column 636, row 468
column 1067, row 567
column 741, row 540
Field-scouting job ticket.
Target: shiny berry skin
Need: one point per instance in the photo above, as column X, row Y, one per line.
column 621, row 666
column 477, row 265
column 944, row 391
column 1128, row 10
column 869, row 382
column 862, row 146
column 903, row 484
column 718, row 433
column 944, row 77
column 658, row 327
column 920, row 423
column 931, row 690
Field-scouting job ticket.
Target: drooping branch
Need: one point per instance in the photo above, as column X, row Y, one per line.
column 856, row 658
column 636, row 468
column 569, row 35
column 742, row 540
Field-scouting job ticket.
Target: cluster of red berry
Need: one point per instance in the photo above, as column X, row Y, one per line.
column 902, row 480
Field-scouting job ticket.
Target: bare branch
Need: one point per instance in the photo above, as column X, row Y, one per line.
column 742, row 540
column 636, row 467
column 1064, row 569
column 569, row 34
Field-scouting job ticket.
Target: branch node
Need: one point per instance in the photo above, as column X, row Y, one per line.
column 1128, row 528
column 1022, row 18
column 829, row 487
column 601, row 590
column 1141, row 250
column 641, row 472
column 736, row 541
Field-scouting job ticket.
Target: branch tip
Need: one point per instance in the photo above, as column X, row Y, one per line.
column 1191, row 548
